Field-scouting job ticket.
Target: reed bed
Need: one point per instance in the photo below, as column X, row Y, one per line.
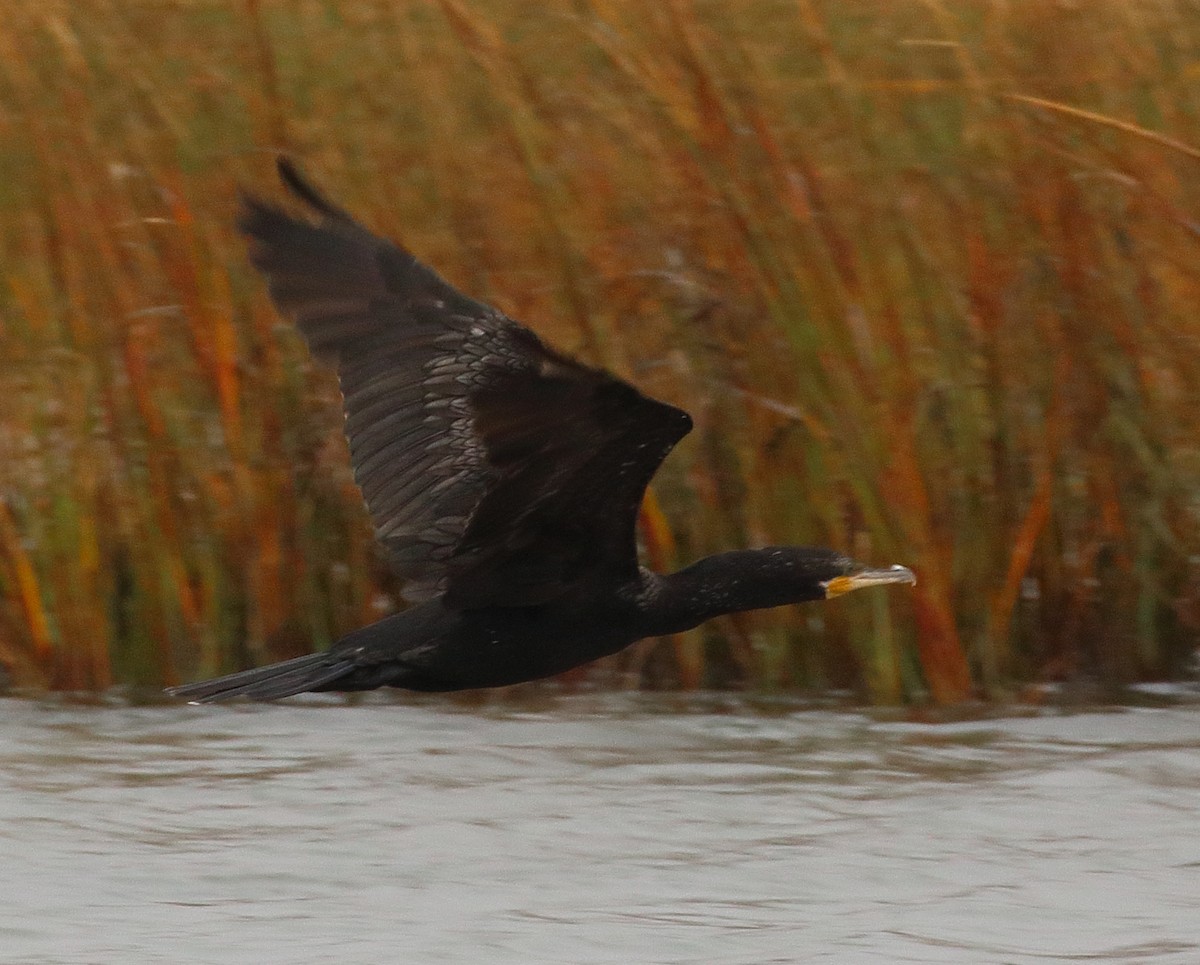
column 925, row 273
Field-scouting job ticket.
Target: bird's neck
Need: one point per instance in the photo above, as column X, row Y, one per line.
column 728, row 583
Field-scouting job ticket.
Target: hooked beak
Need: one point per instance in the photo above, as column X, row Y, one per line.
column 856, row 581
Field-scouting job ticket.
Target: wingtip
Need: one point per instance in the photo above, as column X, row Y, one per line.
column 289, row 174
column 300, row 187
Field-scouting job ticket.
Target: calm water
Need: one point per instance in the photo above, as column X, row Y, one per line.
column 593, row 829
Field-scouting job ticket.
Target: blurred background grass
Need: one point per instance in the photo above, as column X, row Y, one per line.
column 925, row 274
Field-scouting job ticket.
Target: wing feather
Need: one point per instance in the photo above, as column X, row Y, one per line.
column 496, row 471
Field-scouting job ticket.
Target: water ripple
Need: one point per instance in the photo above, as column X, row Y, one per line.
column 595, row 829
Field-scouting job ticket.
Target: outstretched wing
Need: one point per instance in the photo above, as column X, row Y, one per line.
column 496, row 470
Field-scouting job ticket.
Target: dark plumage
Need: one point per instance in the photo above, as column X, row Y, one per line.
column 503, row 479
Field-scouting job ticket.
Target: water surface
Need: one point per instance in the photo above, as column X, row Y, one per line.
column 594, row 829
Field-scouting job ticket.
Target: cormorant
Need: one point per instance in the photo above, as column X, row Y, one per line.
column 503, row 479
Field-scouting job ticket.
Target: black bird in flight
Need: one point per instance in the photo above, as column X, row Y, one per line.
column 503, row 479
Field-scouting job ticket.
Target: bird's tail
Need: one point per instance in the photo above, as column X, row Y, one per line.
column 313, row 672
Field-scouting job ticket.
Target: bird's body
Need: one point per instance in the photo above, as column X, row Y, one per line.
column 503, row 478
